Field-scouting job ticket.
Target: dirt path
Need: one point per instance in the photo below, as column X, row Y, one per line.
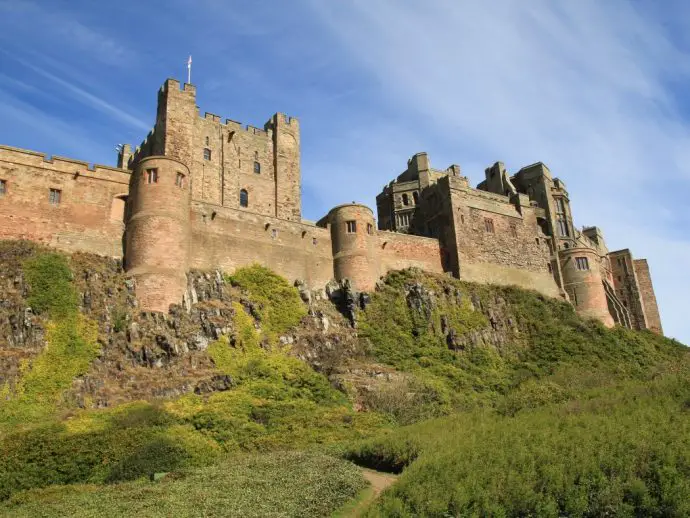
column 379, row 481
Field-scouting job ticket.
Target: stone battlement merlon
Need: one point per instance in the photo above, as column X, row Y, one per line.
column 37, row 159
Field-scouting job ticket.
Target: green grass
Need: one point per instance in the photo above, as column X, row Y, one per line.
column 276, row 402
column 278, row 304
column 547, row 339
column 71, row 344
column 285, row 484
column 615, row 452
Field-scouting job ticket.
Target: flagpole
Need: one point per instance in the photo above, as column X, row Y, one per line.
column 189, row 70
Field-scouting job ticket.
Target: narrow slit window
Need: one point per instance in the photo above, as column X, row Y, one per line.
column 582, row 263
column 152, row 176
column 179, row 180
column 513, row 230
column 55, row 196
column 244, row 198
column 563, row 227
column 3, row 187
column 257, row 167
column 274, row 233
column 313, row 241
column 489, row 225
column 207, row 154
column 208, row 141
column 351, row 227
column 370, row 229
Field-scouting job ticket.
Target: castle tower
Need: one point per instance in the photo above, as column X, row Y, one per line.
column 286, row 152
column 583, row 282
column 157, row 232
column 352, row 232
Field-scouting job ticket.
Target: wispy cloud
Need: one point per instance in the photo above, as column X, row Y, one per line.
column 49, row 23
column 85, row 97
column 582, row 86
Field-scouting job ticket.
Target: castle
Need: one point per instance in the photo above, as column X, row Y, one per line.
column 200, row 193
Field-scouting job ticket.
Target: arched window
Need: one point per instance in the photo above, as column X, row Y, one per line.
column 257, row 167
column 415, row 196
column 244, row 198
column 405, row 199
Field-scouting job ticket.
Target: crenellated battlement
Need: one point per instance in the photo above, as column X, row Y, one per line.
column 16, row 155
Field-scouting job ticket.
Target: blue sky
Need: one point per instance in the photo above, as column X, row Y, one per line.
column 599, row 91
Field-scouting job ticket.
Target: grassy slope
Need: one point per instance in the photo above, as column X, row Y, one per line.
column 282, row 484
column 571, row 419
column 525, row 420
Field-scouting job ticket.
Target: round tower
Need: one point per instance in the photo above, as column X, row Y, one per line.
column 583, row 283
column 158, row 231
column 352, row 233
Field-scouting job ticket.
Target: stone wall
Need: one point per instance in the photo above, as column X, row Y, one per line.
column 227, row 239
column 626, row 286
column 644, row 280
column 399, row 251
column 89, row 216
column 497, row 243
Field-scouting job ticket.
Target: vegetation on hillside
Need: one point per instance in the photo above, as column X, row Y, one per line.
column 71, row 344
column 503, row 403
column 286, row 484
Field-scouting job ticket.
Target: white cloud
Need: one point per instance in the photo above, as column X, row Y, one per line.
column 581, row 86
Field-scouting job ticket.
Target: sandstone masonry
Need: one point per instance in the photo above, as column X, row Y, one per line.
column 202, row 193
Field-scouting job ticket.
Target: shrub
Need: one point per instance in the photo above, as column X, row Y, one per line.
column 279, row 304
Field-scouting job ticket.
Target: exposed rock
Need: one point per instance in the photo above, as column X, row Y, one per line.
column 218, row 383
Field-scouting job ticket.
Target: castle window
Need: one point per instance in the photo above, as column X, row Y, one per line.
column 244, row 198
column 207, row 141
column 489, row 225
column 351, row 227
column 402, row 220
column 3, row 187
column 152, row 176
column 179, row 180
column 536, row 240
column 207, row 154
column 550, row 267
column 370, row 229
column 620, row 278
column 582, row 263
column 274, row 233
column 513, row 230
column 55, row 196
column 462, row 219
column 415, row 197
column 313, row 241
column 405, row 200
column 257, row 167
column 560, row 206
column 575, row 298
column 563, row 227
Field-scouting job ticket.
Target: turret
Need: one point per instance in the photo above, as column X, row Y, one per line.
column 157, row 232
column 352, row 235
column 286, row 152
column 583, row 283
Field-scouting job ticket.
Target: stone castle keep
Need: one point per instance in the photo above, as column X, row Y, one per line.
column 200, row 193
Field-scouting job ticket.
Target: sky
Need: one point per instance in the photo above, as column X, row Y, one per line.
column 598, row 91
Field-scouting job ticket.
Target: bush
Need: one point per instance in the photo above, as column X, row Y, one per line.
column 618, row 453
column 248, row 486
column 279, row 304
